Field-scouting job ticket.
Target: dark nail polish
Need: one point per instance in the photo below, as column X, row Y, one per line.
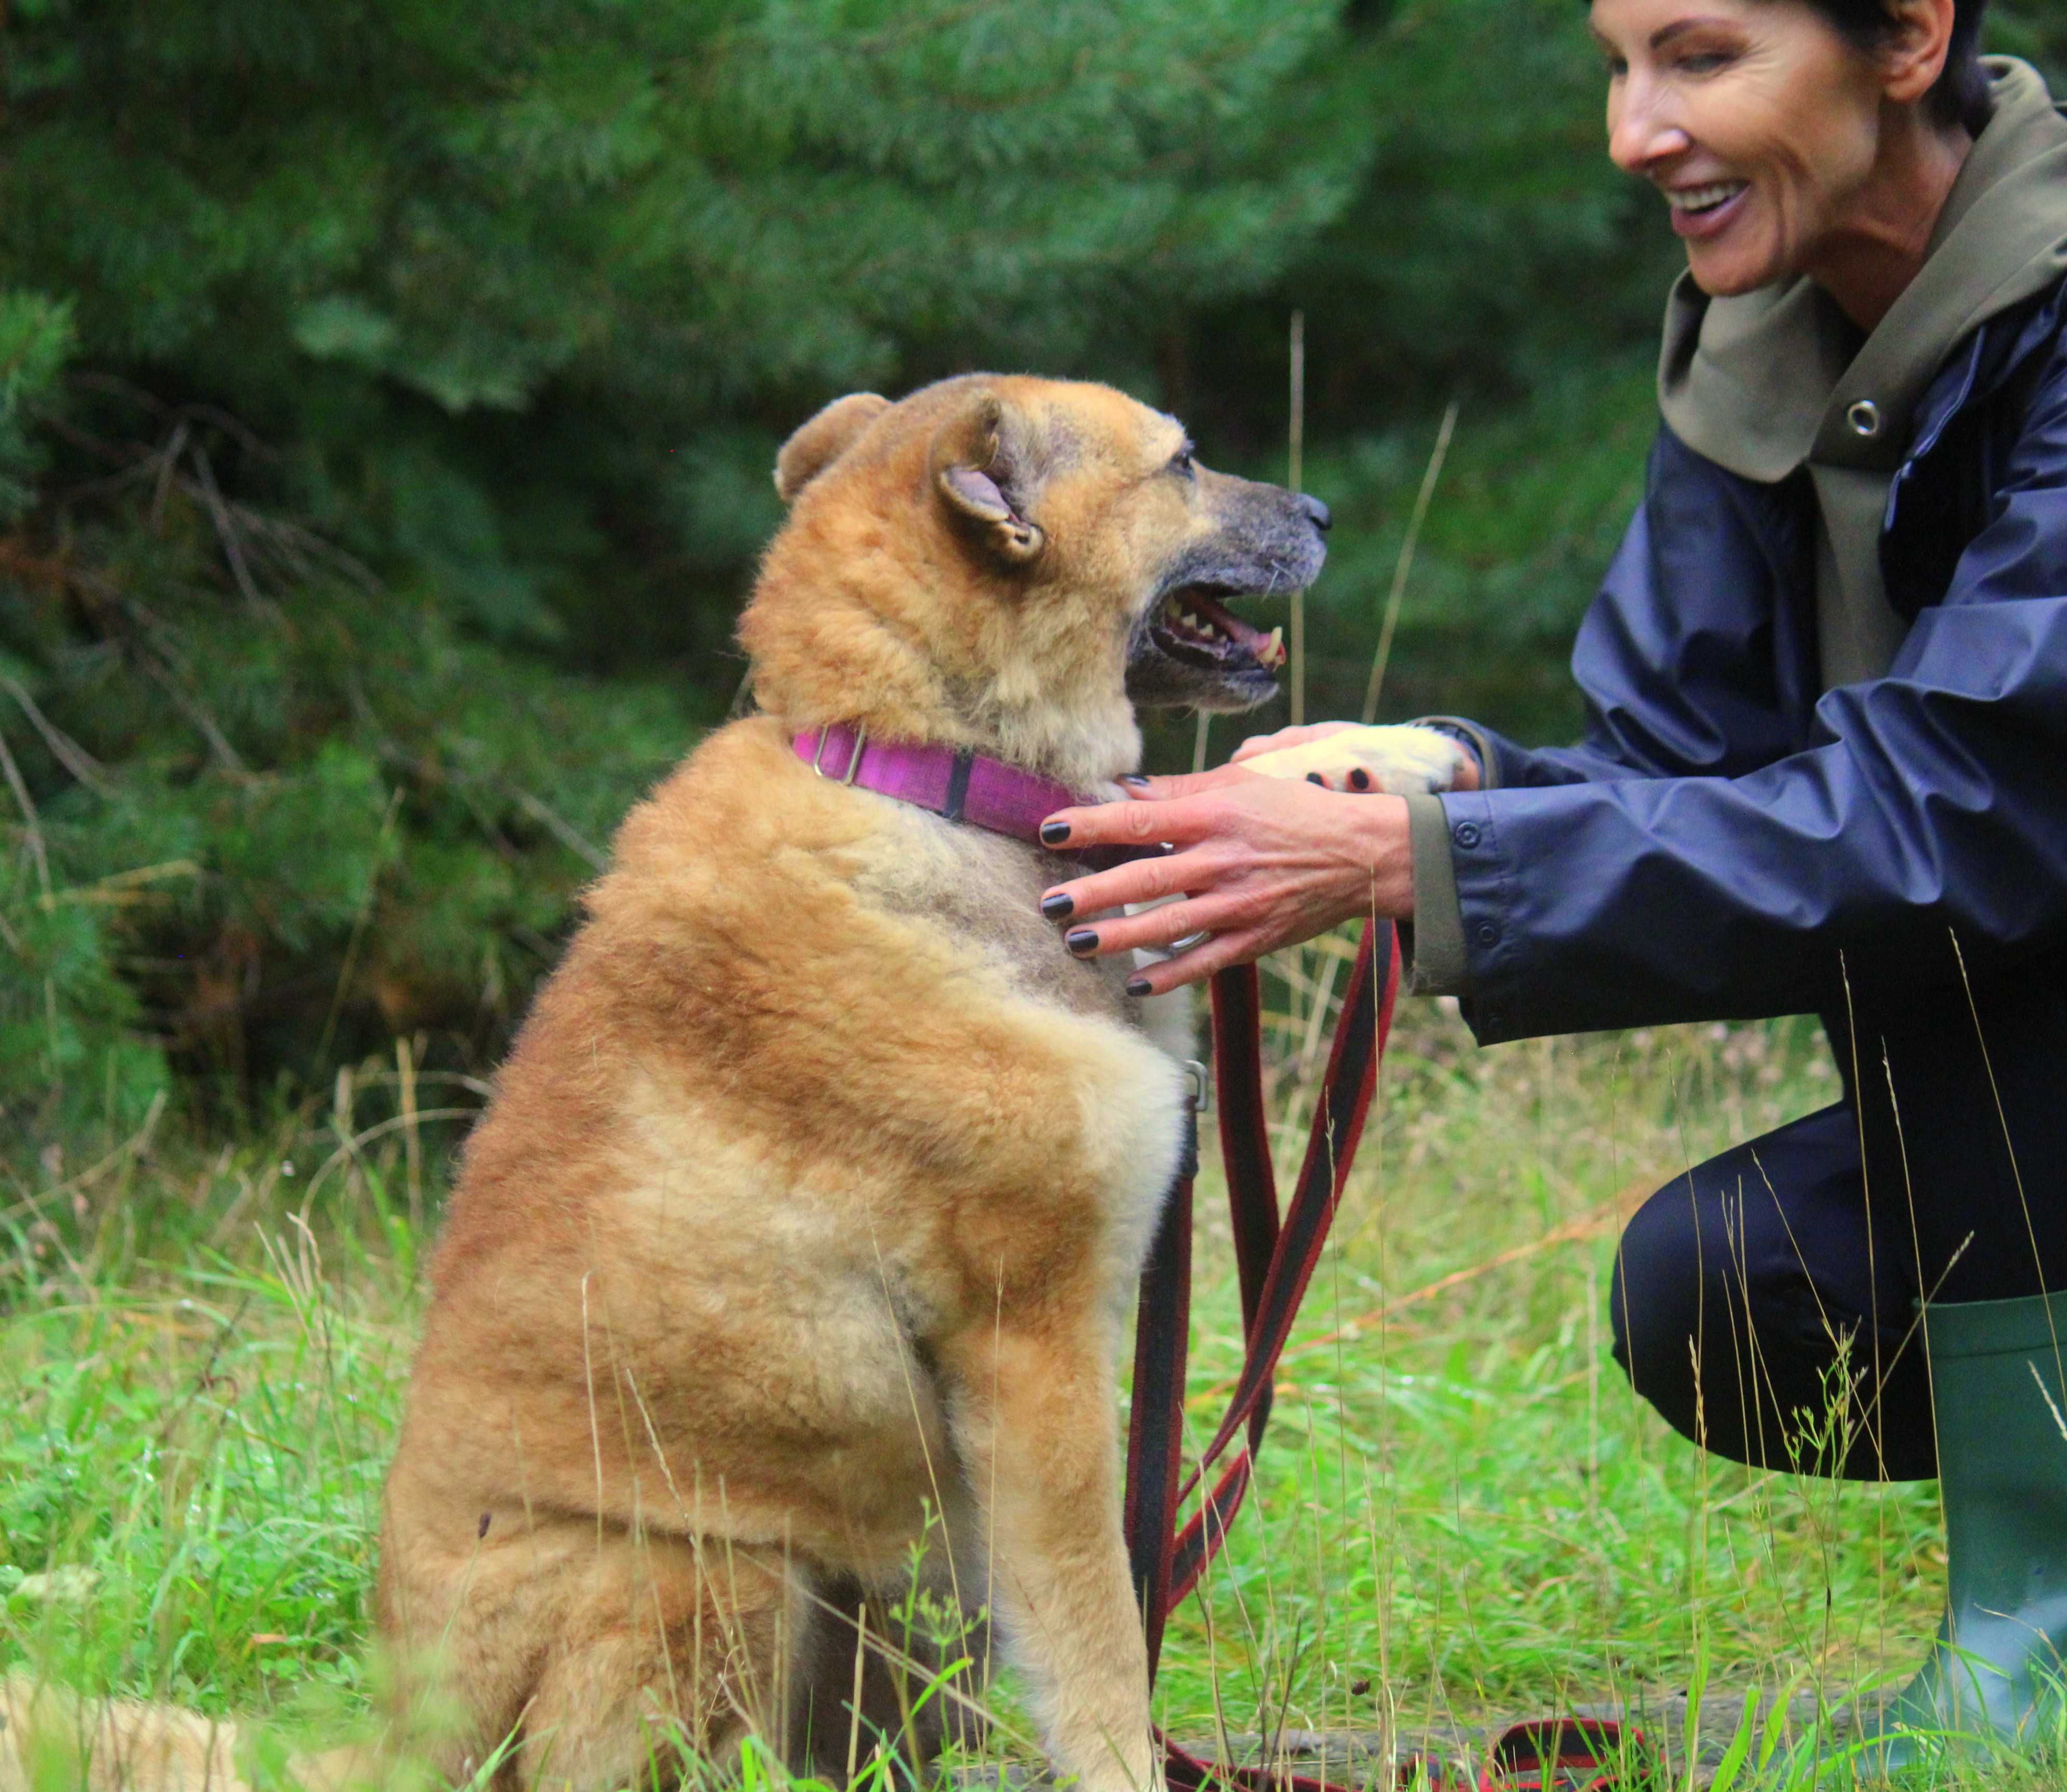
column 1359, row 779
column 1057, row 907
column 1315, row 778
column 1081, row 941
column 1053, row 833
column 1137, row 986
column 1132, row 777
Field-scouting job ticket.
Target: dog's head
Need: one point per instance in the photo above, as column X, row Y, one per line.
column 1011, row 564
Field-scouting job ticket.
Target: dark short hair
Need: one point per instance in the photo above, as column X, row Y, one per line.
column 1960, row 95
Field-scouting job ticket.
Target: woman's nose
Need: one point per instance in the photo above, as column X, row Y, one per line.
column 1316, row 511
column 1640, row 132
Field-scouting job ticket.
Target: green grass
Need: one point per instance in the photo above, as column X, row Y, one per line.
column 1462, row 1512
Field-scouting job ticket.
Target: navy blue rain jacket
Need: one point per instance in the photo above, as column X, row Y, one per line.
column 1892, row 855
column 1727, row 842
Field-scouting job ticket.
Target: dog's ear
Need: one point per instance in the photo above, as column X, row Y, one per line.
column 820, row 442
column 978, row 465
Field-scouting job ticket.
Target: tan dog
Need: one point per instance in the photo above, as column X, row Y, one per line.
column 801, row 1229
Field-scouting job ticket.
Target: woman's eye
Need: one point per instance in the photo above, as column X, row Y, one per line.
column 1706, row 61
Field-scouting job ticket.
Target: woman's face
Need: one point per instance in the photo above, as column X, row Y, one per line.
column 1759, row 124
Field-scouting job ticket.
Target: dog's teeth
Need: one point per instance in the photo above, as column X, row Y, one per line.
column 1274, row 649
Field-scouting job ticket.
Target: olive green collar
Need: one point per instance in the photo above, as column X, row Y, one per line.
column 1764, row 384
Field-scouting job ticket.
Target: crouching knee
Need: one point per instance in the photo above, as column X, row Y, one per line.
column 1761, row 1333
column 1655, row 1308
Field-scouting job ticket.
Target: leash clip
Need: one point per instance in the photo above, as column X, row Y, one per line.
column 1198, row 1087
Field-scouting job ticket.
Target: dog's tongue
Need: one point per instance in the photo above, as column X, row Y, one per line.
column 1264, row 648
column 1255, row 640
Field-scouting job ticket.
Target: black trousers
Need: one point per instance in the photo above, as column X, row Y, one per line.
column 1764, row 1302
column 1756, row 1287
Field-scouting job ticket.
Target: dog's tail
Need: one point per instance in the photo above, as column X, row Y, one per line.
column 51, row 1739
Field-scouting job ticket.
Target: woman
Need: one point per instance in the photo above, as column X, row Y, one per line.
column 1825, row 769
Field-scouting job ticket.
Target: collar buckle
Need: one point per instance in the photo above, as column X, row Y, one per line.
column 854, row 758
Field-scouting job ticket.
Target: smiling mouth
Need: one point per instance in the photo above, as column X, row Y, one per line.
column 1192, row 628
column 1696, row 201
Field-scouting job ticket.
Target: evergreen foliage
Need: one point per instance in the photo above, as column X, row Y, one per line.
column 388, row 393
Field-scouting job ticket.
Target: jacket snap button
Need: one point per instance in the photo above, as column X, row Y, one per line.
column 1467, row 834
column 1488, row 933
column 1864, row 418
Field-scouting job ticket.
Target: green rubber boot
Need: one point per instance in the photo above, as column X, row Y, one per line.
column 1995, row 1671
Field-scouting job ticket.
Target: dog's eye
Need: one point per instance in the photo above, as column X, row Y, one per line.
column 1180, row 462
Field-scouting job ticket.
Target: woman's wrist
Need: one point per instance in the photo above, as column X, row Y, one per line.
column 1379, row 869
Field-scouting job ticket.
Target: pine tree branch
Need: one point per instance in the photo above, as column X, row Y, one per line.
column 227, row 421
column 169, row 465
column 225, row 532
column 561, row 830
column 32, row 829
column 225, row 755
column 67, row 752
column 150, row 643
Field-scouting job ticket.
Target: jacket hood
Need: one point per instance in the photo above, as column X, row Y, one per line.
column 1767, row 382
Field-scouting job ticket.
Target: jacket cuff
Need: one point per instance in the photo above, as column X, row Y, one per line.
column 1433, row 944
column 1483, row 893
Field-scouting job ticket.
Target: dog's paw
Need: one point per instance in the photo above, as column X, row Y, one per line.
column 1400, row 759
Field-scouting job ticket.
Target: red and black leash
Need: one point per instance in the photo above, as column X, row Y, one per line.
column 1275, row 1258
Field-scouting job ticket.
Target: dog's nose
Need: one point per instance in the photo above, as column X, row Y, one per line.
column 1317, row 512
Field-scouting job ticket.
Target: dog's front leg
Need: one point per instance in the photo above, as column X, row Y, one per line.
column 1035, row 1414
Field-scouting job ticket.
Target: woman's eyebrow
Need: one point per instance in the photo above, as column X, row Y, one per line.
column 1665, row 34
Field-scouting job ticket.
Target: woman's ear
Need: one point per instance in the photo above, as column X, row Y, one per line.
column 1913, row 55
column 978, row 461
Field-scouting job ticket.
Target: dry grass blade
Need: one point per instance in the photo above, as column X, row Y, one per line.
column 1295, row 475
column 1405, row 564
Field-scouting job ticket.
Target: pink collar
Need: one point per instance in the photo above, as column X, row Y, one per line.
column 961, row 785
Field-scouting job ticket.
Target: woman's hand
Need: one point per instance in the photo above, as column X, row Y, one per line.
column 1260, row 863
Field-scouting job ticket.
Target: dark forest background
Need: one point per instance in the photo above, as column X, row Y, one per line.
column 388, row 391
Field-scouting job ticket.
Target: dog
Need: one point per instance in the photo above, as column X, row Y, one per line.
column 796, row 1244
column 771, row 1356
